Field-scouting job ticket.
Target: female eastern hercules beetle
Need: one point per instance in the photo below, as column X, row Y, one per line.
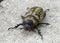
column 32, row 19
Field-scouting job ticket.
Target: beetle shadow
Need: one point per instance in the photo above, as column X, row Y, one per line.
column 28, row 33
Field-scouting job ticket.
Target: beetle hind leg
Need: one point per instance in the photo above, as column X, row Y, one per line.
column 45, row 12
column 39, row 32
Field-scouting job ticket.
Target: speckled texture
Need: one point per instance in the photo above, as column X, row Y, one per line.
column 10, row 15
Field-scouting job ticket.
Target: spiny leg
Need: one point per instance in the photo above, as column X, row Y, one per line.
column 43, row 23
column 15, row 26
column 44, row 17
column 39, row 32
column 45, row 12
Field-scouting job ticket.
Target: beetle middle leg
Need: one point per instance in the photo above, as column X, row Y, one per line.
column 43, row 23
column 15, row 26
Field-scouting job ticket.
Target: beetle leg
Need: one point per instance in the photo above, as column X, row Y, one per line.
column 39, row 32
column 45, row 12
column 43, row 23
column 15, row 26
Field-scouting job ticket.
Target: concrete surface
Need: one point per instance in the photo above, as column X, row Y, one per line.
column 10, row 15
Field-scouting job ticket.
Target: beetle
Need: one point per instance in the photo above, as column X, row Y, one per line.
column 32, row 19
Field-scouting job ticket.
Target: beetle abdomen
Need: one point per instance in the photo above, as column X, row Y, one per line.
column 36, row 14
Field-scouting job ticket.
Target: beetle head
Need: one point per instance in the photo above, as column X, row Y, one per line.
column 28, row 24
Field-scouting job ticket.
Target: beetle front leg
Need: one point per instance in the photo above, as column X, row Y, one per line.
column 15, row 26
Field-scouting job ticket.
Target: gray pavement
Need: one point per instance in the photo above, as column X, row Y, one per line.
column 10, row 15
